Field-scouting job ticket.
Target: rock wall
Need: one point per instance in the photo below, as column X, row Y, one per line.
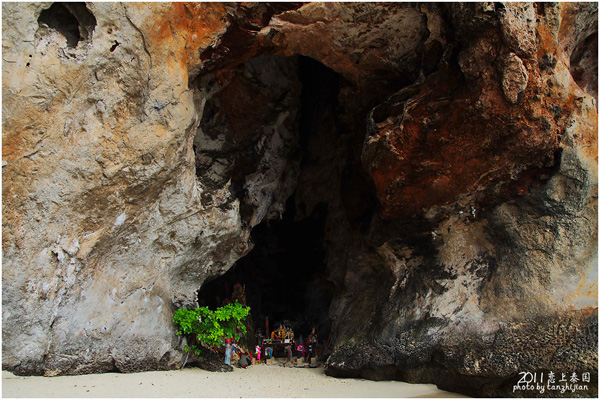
column 455, row 147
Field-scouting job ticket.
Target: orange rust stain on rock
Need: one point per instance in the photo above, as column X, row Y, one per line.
column 445, row 144
column 12, row 145
column 567, row 23
column 16, row 137
column 547, row 41
column 195, row 24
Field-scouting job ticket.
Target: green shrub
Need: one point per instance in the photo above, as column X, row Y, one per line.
column 211, row 328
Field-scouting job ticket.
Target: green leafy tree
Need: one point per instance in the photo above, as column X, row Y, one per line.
column 210, row 328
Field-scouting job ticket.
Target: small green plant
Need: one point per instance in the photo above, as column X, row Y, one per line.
column 211, row 328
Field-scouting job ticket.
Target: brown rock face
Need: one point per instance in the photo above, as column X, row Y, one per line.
column 459, row 134
column 447, row 152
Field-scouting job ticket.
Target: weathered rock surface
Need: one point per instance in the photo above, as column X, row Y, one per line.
column 492, row 272
column 454, row 146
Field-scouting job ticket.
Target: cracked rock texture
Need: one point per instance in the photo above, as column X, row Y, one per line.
column 454, row 146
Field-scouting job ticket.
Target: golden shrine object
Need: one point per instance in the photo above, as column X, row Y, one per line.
column 278, row 334
column 282, row 334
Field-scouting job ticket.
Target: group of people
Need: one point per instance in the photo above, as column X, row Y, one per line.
column 307, row 350
column 235, row 354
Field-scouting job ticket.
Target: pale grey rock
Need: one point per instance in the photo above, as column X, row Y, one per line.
column 514, row 78
column 355, row 40
column 107, row 231
column 519, row 27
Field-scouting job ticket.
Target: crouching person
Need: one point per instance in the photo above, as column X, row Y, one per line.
column 244, row 360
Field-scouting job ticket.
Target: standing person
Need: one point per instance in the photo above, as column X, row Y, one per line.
column 305, row 351
column 228, row 349
column 312, row 345
column 258, row 350
column 301, row 347
column 235, row 354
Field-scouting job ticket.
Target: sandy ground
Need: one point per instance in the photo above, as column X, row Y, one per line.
column 255, row 381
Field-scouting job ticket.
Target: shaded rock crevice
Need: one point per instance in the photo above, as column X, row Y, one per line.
column 72, row 20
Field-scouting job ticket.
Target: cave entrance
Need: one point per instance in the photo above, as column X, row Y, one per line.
column 285, row 275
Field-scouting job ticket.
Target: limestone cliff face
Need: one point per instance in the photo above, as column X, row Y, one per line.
column 455, row 148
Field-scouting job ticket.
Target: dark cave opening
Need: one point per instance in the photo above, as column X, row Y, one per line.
column 318, row 103
column 73, row 20
column 285, row 275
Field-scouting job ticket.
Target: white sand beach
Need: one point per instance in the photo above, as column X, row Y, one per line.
column 256, row 381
